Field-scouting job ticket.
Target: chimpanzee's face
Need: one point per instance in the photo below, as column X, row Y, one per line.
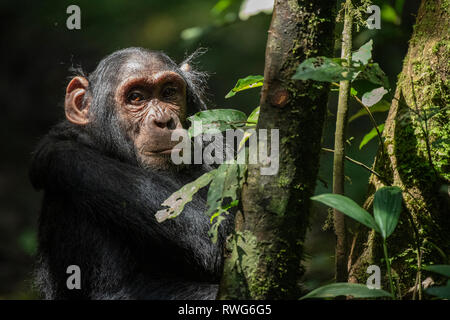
column 148, row 99
column 151, row 104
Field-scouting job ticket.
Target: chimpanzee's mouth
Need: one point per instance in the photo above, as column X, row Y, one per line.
column 162, row 152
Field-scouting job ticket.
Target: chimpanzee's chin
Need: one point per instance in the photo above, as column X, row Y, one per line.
column 160, row 163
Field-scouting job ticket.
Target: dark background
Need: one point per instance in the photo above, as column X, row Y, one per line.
column 38, row 51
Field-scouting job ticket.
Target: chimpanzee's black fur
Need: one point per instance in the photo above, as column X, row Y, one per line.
column 99, row 206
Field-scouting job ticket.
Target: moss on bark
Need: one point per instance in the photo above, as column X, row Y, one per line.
column 417, row 140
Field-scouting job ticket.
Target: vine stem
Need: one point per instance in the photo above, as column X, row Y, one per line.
column 388, row 266
column 359, row 164
column 374, row 123
column 341, row 270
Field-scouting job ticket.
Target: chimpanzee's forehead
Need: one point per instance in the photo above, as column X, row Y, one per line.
column 146, row 64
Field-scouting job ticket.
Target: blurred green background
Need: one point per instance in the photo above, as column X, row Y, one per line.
column 38, row 50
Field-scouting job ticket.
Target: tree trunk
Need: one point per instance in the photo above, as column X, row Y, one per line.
column 265, row 253
column 417, row 134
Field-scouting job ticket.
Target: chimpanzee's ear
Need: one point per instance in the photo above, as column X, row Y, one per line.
column 76, row 112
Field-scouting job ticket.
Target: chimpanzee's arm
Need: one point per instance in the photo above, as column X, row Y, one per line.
column 127, row 198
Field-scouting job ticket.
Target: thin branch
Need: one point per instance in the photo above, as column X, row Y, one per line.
column 359, row 164
column 341, row 271
column 374, row 123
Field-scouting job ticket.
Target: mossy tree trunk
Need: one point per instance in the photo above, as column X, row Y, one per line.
column 417, row 134
column 265, row 253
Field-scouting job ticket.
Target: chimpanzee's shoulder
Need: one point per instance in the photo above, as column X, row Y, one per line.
column 67, row 131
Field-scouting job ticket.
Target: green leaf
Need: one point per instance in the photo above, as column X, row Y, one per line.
column 399, row 6
column 216, row 120
column 225, row 185
column 362, row 86
column 334, row 70
column 348, row 207
column 372, row 134
column 389, row 14
column 373, row 97
column 252, row 120
column 355, row 290
column 381, row 106
column 325, row 69
column 440, row 292
column 221, row 6
column 373, row 73
column 213, row 231
column 192, row 34
column 246, row 136
column 245, row 84
column 217, row 218
column 387, row 205
column 28, row 241
column 364, row 54
column 180, row 198
column 254, row 116
column 443, row 269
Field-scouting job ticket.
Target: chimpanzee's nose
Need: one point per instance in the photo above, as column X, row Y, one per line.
column 163, row 121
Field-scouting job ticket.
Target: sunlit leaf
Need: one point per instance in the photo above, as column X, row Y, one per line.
column 180, row 198
column 213, row 231
column 364, row 54
column 373, row 97
column 355, row 290
column 249, row 82
column 254, row 116
column 246, row 136
column 221, row 6
column 191, row 34
column 362, row 86
column 253, row 7
column 348, row 207
column 372, row 134
column 389, row 14
column 387, row 205
column 252, row 120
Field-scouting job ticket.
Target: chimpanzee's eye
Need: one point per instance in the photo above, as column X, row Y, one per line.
column 169, row 92
column 135, row 96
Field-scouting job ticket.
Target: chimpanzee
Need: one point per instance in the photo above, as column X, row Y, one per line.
column 105, row 171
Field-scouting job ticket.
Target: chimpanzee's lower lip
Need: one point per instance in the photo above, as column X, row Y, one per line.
column 159, row 152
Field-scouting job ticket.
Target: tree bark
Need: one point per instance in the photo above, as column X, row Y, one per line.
column 417, row 134
column 265, row 253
